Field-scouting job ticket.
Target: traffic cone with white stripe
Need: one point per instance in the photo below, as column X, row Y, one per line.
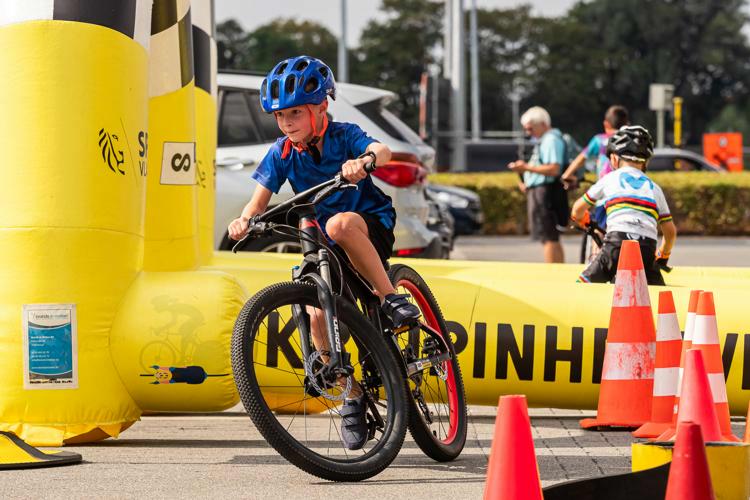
column 628, row 369
column 706, row 339
column 687, row 343
column 668, row 345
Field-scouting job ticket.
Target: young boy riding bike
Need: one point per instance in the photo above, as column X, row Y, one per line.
column 635, row 206
column 359, row 221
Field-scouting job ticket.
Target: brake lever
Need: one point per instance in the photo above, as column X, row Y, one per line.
column 255, row 229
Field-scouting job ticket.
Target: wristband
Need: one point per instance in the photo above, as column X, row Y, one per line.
column 368, row 153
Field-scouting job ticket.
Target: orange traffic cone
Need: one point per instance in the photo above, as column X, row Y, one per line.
column 512, row 473
column 747, row 426
column 689, row 478
column 706, row 339
column 687, row 343
column 668, row 345
column 696, row 404
column 628, row 369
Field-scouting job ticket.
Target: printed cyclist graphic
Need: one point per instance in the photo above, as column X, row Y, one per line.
column 183, row 322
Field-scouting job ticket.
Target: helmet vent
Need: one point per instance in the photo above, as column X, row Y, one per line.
column 323, row 72
column 281, row 68
column 264, row 87
column 289, row 83
column 275, row 89
column 301, row 65
column 311, row 85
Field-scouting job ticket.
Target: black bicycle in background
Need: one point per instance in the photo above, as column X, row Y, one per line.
column 292, row 390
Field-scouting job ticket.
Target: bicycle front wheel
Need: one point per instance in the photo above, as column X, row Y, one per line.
column 302, row 424
column 437, row 420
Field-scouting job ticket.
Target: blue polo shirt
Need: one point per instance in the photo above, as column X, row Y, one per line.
column 549, row 149
column 341, row 142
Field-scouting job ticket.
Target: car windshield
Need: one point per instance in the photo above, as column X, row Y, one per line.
column 376, row 111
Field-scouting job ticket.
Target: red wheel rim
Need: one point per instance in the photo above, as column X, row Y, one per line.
column 431, row 321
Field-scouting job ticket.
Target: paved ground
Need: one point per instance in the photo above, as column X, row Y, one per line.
column 223, row 456
column 690, row 250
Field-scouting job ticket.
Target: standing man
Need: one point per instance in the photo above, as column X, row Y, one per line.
column 546, row 198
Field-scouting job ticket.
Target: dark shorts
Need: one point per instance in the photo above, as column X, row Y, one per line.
column 547, row 211
column 604, row 266
column 382, row 238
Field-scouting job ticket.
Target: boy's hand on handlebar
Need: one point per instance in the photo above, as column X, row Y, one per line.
column 584, row 221
column 662, row 261
column 238, row 228
column 354, row 170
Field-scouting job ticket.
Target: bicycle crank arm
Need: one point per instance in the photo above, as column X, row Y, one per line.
column 424, row 363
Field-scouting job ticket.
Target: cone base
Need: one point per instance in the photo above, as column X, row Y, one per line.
column 590, row 423
column 651, row 429
column 16, row 454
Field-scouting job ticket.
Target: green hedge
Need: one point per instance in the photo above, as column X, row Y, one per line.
column 701, row 202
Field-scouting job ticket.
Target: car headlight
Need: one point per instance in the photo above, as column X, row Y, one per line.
column 452, row 200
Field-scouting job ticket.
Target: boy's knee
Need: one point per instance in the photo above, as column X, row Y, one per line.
column 342, row 226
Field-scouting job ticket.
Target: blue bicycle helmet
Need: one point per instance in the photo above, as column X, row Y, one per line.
column 297, row 81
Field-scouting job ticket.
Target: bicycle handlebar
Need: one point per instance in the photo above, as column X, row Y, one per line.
column 317, row 193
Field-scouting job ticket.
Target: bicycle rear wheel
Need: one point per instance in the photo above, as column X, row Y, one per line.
column 300, row 423
column 437, row 418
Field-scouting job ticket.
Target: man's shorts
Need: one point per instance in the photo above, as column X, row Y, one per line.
column 604, row 266
column 547, row 210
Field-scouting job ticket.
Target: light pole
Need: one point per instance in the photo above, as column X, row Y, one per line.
column 476, row 115
column 458, row 85
column 343, row 73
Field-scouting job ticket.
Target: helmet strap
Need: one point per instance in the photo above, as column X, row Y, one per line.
column 311, row 146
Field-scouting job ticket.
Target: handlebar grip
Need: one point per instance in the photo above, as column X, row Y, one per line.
column 370, row 167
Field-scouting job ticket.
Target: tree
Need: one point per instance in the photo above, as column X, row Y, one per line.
column 609, row 51
column 394, row 53
column 230, row 39
column 261, row 49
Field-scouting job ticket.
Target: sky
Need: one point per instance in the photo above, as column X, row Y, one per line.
column 254, row 13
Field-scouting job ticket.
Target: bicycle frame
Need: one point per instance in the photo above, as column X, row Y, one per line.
column 316, row 269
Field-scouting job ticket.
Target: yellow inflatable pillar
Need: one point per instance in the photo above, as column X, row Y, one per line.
column 205, row 64
column 170, row 341
column 74, row 104
column 171, row 226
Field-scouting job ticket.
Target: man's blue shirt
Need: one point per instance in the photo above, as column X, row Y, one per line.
column 341, row 142
column 549, row 149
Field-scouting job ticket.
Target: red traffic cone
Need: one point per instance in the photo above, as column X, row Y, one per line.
column 689, row 478
column 668, row 345
column 628, row 369
column 696, row 404
column 706, row 338
column 512, row 473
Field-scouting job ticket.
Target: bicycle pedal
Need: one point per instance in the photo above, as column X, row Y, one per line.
column 401, row 329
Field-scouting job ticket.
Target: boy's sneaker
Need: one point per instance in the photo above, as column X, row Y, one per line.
column 353, row 423
column 400, row 310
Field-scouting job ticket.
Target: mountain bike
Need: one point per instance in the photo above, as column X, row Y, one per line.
column 409, row 375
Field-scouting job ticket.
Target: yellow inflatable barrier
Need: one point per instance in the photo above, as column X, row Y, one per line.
column 545, row 340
